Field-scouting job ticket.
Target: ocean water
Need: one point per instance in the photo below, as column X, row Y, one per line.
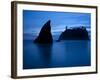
column 68, row 53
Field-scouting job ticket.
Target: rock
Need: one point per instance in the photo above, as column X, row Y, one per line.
column 45, row 35
column 74, row 34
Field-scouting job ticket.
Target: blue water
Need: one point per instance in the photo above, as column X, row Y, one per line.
column 69, row 53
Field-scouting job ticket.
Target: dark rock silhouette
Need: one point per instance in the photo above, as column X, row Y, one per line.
column 74, row 34
column 45, row 35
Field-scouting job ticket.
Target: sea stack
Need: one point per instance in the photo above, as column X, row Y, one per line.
column 45, row 35
column 79, row 33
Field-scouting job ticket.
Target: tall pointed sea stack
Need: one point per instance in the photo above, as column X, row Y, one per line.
column 45, row 35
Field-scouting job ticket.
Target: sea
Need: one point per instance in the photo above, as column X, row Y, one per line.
column 66, row 53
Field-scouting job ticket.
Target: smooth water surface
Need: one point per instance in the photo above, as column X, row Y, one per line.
column 69, row 53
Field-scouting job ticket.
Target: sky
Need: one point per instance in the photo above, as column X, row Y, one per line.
column 34, row 20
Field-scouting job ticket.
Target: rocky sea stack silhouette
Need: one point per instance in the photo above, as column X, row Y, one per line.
column 45, row 35
column 74, row 34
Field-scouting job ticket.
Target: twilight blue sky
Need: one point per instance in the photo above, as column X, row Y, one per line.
column 34, row 20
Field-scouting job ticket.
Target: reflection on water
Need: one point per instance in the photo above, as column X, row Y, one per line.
column 45, row 53
column 58, row 54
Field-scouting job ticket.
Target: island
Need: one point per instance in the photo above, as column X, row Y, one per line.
column 77, row 33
